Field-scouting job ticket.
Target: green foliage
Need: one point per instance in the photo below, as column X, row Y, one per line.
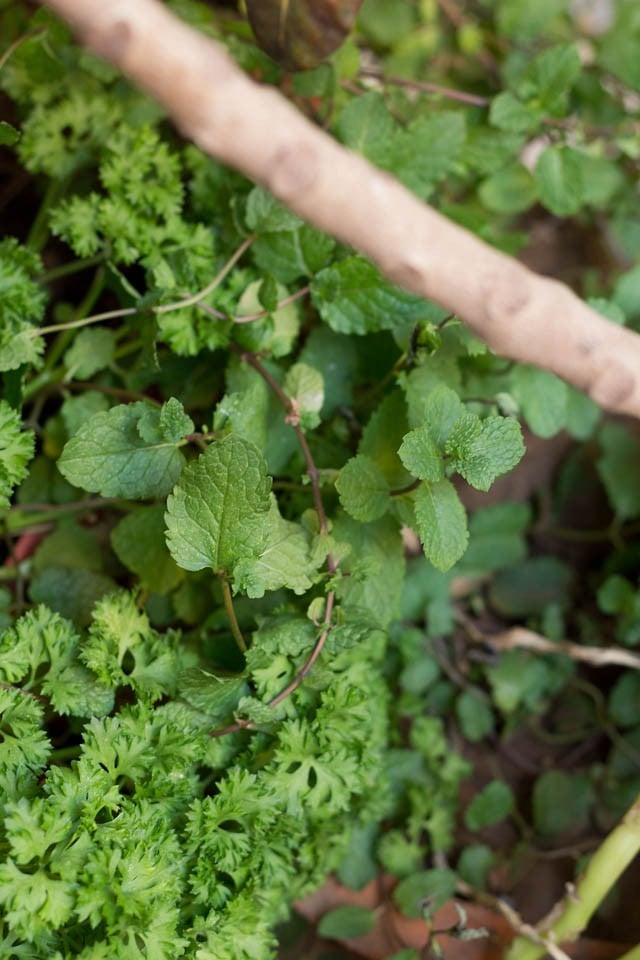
column 222, row 667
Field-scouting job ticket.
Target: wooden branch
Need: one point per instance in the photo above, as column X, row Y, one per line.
column 254, row 129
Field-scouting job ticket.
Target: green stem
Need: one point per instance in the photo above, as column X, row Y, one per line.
column 570, row 917
column 40, row 226
column 65, row 336
column 73, row 266
column 228, row 605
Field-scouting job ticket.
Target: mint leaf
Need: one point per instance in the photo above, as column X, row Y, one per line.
column 92, row 350
column 265, row 214
column 366, row 126
column 285, row 560
column 216, row 515
column 424, row 892
column 305, row 386
column 441, row 523
column 492, row 804
column 291, row 254
column 174, row 423
column 492, row 449
column 108, row 455
column 420, row 454
column 427, row 150
column 542, row 398
column 558, row 174
column 352, row 297
column 363, row 489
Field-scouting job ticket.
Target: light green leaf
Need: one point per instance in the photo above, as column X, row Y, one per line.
column 495, row 448
column 92, row 350
column 374, row 568
column 510, row 190
column 366, row 126
column 139, row 543
column 427, row 150
column 285, row 560
column 265, row 214
column 363, row 489
column 290, row 254
column 420, row 454
column 438, row 408
column 555, row 71
column 511, row 114
column 8, row 134
column 559, row 176
column 542, row 398
column 474, row 716
column 305, row 386
column 108, row 455
column 441, row 522
column 174, row 423
column 352, row 297
column 216, row 515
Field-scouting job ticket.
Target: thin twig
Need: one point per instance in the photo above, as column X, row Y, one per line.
column 512, row 917
column 246, row 724
column 521, row 638
column 461, row 96
column 217, row 280
column 293, row 419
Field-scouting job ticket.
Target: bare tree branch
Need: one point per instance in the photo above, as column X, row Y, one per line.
column 252, row 128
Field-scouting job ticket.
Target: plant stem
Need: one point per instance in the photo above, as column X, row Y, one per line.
column 73, row 266
column 228, row 605
column 570, row 917
column 40, row 227
column 217, row 280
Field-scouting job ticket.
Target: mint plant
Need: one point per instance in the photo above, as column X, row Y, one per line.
column 220, row 672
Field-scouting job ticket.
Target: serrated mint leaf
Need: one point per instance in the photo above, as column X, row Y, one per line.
column 421, row 456
column 139, row 543
column 217, row 514
column 510, row 190
column 366, row 126
column 542, row 398
column 555, row 71
column 363, row 489
column 441, row 523
column 495, row 448
column 291, row 254
column 509, row 113
column 92, row 350
column 305, row 386
column 217, row 697
column 375, row 567
column 427, row 150
column 109, row 456
column 352, row 297
column 265, row 214
column 285, row 560
column 175, row 424
column 559, row 176
column 438, row 409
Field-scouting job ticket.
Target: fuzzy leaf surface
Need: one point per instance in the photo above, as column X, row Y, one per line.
column 363, row 489
column 442, row 523
column 122, row 453
column 217, row 513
